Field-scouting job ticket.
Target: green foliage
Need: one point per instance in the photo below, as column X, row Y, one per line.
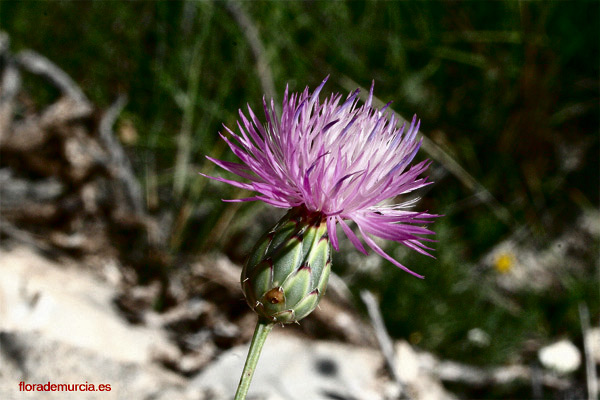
column 507, row 89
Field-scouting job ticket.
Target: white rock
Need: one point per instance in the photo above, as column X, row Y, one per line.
column 415, row 371
column 291, row 368
column 32, row 358
column 67, row 304
column 407, row 362
column 479, row 337
column 562, row 356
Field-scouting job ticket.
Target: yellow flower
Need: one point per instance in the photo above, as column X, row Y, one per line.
column 504, row 262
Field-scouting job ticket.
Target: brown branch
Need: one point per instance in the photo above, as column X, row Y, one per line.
column 23, row 236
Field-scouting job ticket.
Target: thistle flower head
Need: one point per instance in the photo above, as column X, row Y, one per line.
column 335, row 158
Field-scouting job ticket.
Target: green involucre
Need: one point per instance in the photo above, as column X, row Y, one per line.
column 287, row 271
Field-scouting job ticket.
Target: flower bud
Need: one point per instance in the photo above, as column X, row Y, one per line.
column 288, row 269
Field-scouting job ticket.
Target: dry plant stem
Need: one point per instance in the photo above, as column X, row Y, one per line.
column 590, row 368
column 385, row 342
column 251, row 33
column 124, row 170
column 40, row 65
column 261, row 331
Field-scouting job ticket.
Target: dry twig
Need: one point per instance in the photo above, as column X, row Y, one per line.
column 251, row 33
column 10, row 84
column 40, row 65
column 385, row 342
column 450, row 371
column 23, row 236
column 590, row 368
column 119, row 159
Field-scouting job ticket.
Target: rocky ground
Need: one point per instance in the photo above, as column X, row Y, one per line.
column 61, row 324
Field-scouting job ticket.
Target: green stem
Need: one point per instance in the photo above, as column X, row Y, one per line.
column 261, row 331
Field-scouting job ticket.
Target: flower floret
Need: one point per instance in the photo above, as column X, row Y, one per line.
column 342, row 161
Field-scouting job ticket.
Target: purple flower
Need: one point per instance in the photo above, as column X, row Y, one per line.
column 340, row 160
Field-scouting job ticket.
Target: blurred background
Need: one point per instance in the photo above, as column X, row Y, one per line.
column 507, row 93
